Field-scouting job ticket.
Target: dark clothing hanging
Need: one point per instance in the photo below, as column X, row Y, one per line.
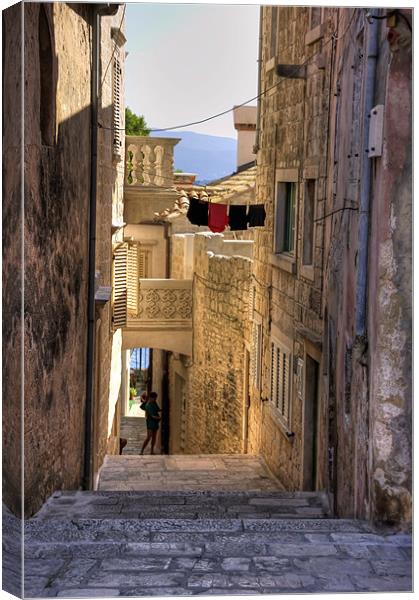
column 237, row 218
column 256, row 216
column 217, row 217
column 197, row 212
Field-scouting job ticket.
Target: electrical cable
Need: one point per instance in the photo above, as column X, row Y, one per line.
column 280, row 82
column 338, row 210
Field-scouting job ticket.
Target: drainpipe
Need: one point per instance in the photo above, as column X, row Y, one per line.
column 98, row 10
column 256, row 146
column 365, row 195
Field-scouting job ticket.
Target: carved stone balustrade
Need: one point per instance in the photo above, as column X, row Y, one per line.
column 149, row 161
column 164, row 316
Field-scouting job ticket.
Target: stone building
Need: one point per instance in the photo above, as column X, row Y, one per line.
column 330, row 406
column 58, row 199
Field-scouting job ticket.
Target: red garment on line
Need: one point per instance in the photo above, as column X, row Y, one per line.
column 217, row 217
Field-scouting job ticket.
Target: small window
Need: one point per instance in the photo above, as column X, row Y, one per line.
column 285, row 218
column 280, row 380
column 256, row 356
column 116, row 101
column 308, row 235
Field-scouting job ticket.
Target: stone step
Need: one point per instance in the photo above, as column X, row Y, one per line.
column 186, row 505
column 84, row 557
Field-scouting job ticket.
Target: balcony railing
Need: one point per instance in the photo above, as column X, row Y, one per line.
column 149, row 161
column 164, row 302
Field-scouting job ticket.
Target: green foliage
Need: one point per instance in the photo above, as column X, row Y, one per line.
column 178, row 171
column 135, row 124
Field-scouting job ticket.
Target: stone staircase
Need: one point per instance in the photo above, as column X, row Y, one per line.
column 157, row 543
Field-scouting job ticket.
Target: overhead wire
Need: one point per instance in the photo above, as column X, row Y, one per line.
column 281, row 81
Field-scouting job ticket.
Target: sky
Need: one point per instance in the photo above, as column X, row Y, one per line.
column 188, row 62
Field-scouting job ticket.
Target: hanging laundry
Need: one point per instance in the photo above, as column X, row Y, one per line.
column 217, row 217
column 237, row 218
column 197, row 212
column 256, row 216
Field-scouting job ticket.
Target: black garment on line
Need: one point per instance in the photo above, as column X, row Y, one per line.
column 256, row 216
column 197, row 212
column 237, row 219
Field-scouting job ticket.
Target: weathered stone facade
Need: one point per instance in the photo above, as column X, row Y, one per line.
column 55, row 161
column 110, row 190
column 347, row 427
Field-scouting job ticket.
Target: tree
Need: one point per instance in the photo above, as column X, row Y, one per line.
column 134, row 124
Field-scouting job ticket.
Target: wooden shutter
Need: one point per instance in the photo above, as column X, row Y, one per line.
column 120, row 292
column 132, row 279
column 143, row 264
column 116, row 102
column 251, row 305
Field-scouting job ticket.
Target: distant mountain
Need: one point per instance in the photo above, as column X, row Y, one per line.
column 209, row 156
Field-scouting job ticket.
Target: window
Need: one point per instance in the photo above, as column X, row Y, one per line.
column 119, row 287
column 256, row 356
column 280, row 380
column 308, row 234
column 116, row 101
column 285, row 218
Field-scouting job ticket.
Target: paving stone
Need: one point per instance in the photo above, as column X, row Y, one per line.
column 235, row 564
column 392, row 567
column 301, row 549
column 34, row 585
column 183, row 564
column 135, row 564
column 291, row 581
column 271, row 563
column 234, row 548
column 47, row 567
column 206, row 565
column 163, row 549
column 74, row 573
column 382, row 583
column 116, row 579
column 156, row 591
column 327, row 565
column 89, row 593
column 179, row 536
column 334, row 582
column 356, row 538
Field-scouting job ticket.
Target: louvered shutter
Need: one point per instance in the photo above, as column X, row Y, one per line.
column 116, row 101
column 120, row 292
column 143, row 264
column 132, row 279
column 273, row 374
column 251, row 302
column 286, row 387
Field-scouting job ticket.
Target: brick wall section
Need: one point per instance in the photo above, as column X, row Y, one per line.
column 215, row 394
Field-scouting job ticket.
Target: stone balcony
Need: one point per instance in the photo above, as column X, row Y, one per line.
column 149, row 184
column 149, row 161
column 164, row 316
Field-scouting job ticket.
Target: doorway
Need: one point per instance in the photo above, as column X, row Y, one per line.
column 310, row 425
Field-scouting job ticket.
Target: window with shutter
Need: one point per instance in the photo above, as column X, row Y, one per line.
column 120, row 291
column 256, row 356
column 132, row 279
column 280, row 381
column 116, row 102
column 143, row 263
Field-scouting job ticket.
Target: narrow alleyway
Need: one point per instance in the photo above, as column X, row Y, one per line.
column 202, row 525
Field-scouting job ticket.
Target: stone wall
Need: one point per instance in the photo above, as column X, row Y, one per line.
column 13, row 338
column 288, row 299
column 57, row 197
column 110, row 190
column 215, row 393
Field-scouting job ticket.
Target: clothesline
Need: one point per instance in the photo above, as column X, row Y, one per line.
column 218, row 216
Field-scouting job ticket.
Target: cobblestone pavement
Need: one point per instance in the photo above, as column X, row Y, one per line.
column 175, row 542
column 186, row 472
